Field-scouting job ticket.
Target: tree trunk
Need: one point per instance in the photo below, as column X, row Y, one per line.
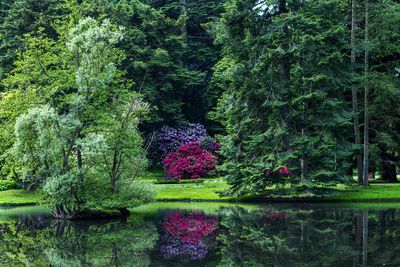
column 183, row 12
column 284, row 77
column 388, row 172
column 366, row 96
column 356, row 122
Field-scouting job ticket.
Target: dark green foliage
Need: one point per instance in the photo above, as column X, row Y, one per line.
column 199, row 53
column 384, row 83
column 286, row 77
column 24, row 16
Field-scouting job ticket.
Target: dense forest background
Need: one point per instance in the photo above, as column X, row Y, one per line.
column 310, row 85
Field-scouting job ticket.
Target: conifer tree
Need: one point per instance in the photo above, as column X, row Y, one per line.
column 285, row 98
column 24, row 16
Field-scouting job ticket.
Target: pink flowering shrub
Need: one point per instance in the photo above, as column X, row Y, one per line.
column 190, row 161
column 284, row 170
column 277, row 175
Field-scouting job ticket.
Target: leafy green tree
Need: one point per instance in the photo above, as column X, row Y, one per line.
column 42, row 74
column 90, row 147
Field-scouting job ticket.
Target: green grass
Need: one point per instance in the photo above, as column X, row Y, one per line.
column 374, row 192
column 19, row 197
column 208, row 190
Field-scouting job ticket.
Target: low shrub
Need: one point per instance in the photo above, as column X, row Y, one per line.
column 169, row 139
column 8, row 185
column 190, row 161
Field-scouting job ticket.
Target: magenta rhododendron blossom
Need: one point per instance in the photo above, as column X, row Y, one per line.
column 169, row 139
column 190, row 161
column 284, row 170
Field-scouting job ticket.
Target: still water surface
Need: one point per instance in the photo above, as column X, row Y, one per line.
column 209, row 234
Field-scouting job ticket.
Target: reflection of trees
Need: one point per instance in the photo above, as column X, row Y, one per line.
column 20, row 242
column 305, row 236
column 292, row 237
column 80, row 244
column 107, row 244
column 383, row 238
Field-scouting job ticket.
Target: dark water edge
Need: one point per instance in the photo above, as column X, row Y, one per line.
column 208, row 234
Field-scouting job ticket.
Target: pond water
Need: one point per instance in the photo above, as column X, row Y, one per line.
column 208, row 234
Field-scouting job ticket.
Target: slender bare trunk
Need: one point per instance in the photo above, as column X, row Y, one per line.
column 356, row 122
column 183, row 6
column 284, row 76
column 366, row 96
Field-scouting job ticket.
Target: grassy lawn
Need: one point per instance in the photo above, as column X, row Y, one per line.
column 208, row 190
column 19, row 197
column 382, row 192
column 201, row 191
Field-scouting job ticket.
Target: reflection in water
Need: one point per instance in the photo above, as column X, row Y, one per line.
column 259, row 236
column 187, row 236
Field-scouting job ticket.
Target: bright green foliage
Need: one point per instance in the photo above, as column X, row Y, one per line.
column 43, row 73
column 155, row 61
column 86, row 157
column 284, row 100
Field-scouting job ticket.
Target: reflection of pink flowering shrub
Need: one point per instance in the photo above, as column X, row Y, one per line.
column 191, row 228
column 277, row 216
column 186, row 235
column 173, row 247
column 190, row 161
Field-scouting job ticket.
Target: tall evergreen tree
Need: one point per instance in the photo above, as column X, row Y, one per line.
column 384, row 84
column 285, row 98
column 24, row 16
column 199, row 52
